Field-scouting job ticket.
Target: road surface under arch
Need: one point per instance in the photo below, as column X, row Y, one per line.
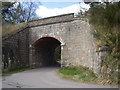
column 42, row 78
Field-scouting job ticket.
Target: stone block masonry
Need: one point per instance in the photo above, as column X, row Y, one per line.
column 28, row 47
column 15, row 50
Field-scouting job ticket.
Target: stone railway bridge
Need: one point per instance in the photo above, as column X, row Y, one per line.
column 34, row 45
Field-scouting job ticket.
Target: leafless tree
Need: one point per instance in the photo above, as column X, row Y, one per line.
column 27, row 11
column 21, row 12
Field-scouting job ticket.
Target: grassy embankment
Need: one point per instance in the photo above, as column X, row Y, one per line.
column 106, row 23
column 82, row 74
column 8, row 29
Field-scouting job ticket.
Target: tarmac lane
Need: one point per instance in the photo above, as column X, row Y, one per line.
column 42, row 78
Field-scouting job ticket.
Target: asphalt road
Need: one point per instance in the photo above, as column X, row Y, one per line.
column 42, row 78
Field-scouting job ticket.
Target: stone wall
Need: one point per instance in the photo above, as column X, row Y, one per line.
column 52, row 20
column 77, row 43
column 15, row 50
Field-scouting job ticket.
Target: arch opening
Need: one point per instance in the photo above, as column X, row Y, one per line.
column 47, row 52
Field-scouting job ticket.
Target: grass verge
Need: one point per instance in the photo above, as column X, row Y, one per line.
column 14, row 70
column 84, row 75
column 79, row 74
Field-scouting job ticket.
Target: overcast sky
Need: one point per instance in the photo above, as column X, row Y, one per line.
column 47, row 9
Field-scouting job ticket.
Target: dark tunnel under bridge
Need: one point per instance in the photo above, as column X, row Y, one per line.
column 47, row 52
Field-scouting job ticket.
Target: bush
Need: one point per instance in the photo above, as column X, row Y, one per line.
column 106, row 22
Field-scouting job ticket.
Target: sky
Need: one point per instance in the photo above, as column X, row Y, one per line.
column 47, row 9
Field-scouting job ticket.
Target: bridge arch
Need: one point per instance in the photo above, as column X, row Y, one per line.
column 48, row 35
column 47, row 51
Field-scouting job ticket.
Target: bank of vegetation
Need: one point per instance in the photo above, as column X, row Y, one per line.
column 11, row 28
column 105, row 19
column 82, row 74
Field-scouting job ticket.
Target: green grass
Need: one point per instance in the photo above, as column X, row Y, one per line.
column 79, row 73
column 85, row 75
column 15, row 70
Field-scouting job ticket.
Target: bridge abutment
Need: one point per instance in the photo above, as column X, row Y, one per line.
column 37, row 42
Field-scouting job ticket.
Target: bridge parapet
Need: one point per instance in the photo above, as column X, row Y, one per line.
column 52, row 20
